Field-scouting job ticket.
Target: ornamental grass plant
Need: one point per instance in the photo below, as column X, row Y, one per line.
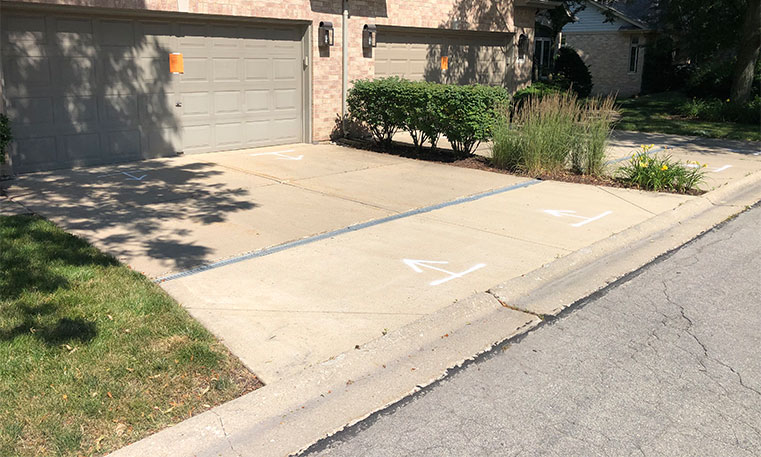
column 555, row 133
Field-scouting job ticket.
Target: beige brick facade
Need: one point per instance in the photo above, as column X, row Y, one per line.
column 607, row 54
column 503, row 16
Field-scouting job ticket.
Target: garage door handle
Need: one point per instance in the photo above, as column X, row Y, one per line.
column 178, row 104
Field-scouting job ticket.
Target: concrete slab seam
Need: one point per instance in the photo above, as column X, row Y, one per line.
column 349, row 229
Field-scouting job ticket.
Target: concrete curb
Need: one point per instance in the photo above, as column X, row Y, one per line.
column 292, row 414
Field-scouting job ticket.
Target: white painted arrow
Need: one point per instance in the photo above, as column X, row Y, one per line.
column 569, row 213
column 131, row 176
column 418, row 265
column 281, row 155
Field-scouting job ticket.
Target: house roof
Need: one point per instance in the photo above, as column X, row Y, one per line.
column 636, row 13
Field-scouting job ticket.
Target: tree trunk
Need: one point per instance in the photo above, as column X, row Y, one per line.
column 748, row 52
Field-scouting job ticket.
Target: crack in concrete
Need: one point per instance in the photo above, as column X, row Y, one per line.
column 227, row 436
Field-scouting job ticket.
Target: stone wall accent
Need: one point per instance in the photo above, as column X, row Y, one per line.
column 607, row 54
column 496, row 15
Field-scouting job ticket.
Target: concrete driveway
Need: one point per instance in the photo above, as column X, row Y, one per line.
column 294, row 255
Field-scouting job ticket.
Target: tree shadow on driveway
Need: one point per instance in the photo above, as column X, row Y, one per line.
column 150, row 208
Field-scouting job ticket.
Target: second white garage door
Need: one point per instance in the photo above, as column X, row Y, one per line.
column 242, row 86
column 470, row 57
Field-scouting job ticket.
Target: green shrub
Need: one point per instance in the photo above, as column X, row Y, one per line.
column 716, row 110
column 5, row 135
column 572, row 72
column 376, row 104
column 659, row 172
column 422, row 115
column 464, row 114
column 552, row 133
column 468, row 114
column 535, row 90
column 710, row 80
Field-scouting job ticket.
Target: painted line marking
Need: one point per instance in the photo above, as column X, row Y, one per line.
column 127, row 174
column 282, row 155
column 334, row 233
column 720, row 169
column 131, row 176
column 418, row 265
column 629, row 157
column 570, row 213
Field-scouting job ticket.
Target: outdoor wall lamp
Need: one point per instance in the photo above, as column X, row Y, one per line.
column 325, row 34
column 368, row 36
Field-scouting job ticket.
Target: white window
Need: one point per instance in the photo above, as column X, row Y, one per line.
column 634, row 55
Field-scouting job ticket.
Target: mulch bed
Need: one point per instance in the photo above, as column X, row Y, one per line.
column 477, row 162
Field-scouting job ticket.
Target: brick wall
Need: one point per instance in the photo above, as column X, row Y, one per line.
column 607, row 54
column 494, row 15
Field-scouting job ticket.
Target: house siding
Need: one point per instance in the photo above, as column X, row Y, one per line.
column 607, row 55
column 502, row 16
column 592, row 19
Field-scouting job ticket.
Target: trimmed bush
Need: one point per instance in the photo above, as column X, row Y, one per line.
column 464, row 114
column 468, row 114
column 376, row 104
column 573, row 73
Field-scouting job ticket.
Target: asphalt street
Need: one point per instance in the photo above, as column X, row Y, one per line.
column 666, row 362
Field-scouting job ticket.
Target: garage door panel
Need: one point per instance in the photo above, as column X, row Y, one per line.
column 229, row 135
column 285, row 69
column 123, row 144
column 30, row 110
column 24, row 74
column 120, row 108
column 226, row 69
column 257, row 69
column 197, row 137
column 75, row 74
column 257, row 132
column 75, row 111
column 36, row 151
column 257, row 101
column 81, row 147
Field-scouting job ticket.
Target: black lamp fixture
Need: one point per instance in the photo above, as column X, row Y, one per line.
column 368, row 36
column 326, row 34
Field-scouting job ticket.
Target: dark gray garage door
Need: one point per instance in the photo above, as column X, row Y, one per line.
column 472, row 57
column 85, row 90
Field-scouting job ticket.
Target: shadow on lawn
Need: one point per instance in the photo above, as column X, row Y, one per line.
column 34, row 256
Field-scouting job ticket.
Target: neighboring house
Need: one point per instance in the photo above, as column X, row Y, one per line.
column 89, row 81
column 611, row 39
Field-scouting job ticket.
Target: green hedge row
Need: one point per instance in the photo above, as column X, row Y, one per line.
column 464, row 114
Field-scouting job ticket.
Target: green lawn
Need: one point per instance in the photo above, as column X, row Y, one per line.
column 93, row 355
column 658, row 113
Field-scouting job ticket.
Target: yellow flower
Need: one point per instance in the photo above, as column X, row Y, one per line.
column 727, row 100
column 664, row 168
column 705, row 165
